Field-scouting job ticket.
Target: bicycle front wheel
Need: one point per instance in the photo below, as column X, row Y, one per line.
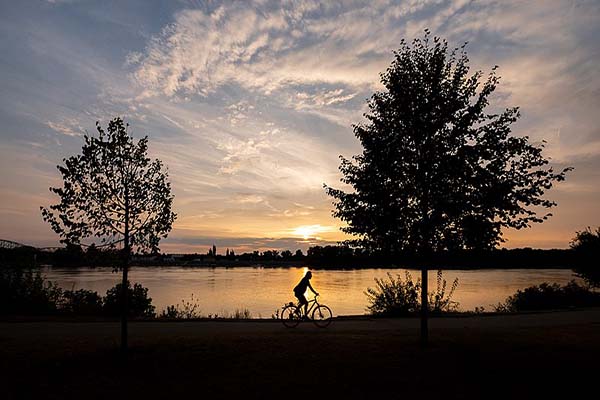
column 322, row 316
column 290, row 316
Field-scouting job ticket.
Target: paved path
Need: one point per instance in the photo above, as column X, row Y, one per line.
column 512, row 356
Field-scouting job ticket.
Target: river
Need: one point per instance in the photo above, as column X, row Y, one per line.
column 261, row 290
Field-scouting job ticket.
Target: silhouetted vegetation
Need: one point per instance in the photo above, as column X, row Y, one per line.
column 140, row 305
column 325, row 257
column 550, row 297
column 239, row 313
column 82, row 302
column 113, row 193
column 319, row 257
column 394, row 297
column 26, row 292
column 586, row 247
column 187, row 309
column 438, row 170
column 190, row 309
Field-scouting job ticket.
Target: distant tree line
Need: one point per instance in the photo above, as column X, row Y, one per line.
column 585, row 248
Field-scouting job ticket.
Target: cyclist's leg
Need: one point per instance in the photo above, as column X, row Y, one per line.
column 302, row 302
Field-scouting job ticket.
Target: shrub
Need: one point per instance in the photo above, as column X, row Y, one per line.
column 82, row 302
column 394, row 297
column 139, row 304
column 243, row 313
column 439, row 301
column 397, row 297
column 550, row 296
column 27, row 292
column 187, row 309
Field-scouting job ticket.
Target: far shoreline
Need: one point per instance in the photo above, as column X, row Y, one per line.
column 299, row 264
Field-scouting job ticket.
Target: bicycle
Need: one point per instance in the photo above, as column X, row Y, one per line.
column 320, row 314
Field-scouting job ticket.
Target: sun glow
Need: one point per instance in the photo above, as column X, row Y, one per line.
column 311, row 231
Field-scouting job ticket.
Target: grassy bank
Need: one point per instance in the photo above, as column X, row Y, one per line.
column 517, row 356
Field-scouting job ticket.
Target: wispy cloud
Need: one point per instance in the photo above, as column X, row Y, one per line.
column 250, row 103
column 69, row 128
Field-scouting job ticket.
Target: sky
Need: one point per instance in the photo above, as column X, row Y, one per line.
column 250, row 104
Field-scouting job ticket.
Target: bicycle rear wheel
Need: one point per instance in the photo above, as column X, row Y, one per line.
column 290, row 316
column 322, row 316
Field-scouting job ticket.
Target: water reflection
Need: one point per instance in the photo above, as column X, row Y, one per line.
column 262, row 290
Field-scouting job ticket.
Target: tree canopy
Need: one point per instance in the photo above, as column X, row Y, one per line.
column 439, row 170
column 113, row 190
column 586, row 245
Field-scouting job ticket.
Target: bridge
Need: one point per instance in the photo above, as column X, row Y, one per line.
column 9, row 244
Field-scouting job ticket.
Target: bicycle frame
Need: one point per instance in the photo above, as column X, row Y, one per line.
column 312, row 303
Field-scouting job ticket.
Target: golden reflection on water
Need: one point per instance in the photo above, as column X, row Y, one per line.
column 263, row 290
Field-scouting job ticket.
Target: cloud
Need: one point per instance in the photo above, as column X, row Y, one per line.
column 69, row 127
column 267, row 49
column 250, row 103
column 240, row 245
column 325, row 98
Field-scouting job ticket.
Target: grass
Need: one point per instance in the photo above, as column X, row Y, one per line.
column 467, row 358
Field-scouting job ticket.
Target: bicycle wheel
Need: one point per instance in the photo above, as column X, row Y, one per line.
column 322, row 316
column 290, row 316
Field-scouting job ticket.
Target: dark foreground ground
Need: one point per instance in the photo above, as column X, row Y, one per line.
column 549, row 355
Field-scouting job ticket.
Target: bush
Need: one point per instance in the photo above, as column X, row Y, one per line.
column 550, row 296
column 27, row 292
column 82, row 302
column 395, row 297
column 242, row 313
column 187, row 309
column 439, row 301
column 139, row 304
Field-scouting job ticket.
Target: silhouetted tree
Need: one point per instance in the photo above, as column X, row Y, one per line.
column 298, row 254
column 438, row 170
column 114, row 193
column 586, row 246
column 270, row 254
column 287, row 254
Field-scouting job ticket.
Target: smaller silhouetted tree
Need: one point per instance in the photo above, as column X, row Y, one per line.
column 114, row 193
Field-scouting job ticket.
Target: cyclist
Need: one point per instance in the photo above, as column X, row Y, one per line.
column 300, row 289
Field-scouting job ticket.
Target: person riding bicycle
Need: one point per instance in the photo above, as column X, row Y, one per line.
column 300, row 289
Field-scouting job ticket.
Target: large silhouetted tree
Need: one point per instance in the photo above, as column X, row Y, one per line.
column 113, row 193
column 586, row 245
column 438, row 170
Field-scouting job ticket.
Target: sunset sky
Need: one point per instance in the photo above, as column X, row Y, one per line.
column 249, row 104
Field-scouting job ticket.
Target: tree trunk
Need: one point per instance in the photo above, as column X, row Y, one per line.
column 424, row 306
column 124, row 284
